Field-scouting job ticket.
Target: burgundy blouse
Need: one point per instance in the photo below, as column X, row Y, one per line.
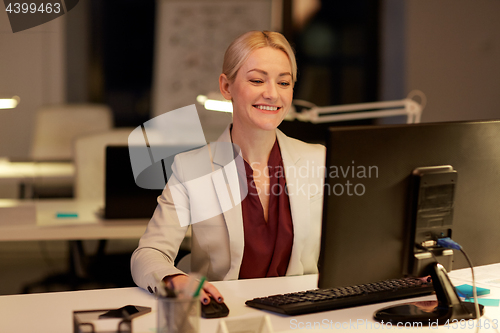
column 268, row 246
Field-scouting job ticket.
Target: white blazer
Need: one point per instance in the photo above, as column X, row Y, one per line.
column 218, row 242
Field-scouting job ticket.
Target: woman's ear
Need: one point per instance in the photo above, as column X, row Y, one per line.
column 224, row 86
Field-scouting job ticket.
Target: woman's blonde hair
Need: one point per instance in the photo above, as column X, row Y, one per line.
column 239, row 50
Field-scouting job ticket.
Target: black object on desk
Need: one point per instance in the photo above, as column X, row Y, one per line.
column 214, row 309
column 127, row 311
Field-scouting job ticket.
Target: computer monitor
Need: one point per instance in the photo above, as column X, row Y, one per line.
column 368, row 190
column 123, row 198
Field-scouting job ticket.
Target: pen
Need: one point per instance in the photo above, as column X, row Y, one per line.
column 191, row 286
column 193, row 302
column 200, row 285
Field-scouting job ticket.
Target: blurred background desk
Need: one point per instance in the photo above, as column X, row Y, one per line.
column 36, row 220
column 45, row 225
column 19, row 179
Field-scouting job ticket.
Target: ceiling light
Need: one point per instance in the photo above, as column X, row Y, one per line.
column 9, row 103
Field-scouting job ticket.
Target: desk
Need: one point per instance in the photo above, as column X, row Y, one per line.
column 29, row 174
column 35, row 220
column 52, row 312
column 43, row 224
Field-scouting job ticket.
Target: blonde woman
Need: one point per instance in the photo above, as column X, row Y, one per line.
column 275, row 230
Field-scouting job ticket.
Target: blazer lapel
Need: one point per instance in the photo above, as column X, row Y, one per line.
column 227, row 187
column 297, row 186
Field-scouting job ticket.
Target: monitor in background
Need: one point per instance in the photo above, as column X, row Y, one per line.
column 368, row 189
column 123, row 198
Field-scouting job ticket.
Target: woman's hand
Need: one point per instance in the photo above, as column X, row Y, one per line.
column 180, row 281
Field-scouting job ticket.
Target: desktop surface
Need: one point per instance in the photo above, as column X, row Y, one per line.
column 52, row 312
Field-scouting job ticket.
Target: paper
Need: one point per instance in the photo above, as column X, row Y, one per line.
column 485, row 275
column 465, row 290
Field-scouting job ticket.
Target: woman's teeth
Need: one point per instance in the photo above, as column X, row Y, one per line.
column 267, row 108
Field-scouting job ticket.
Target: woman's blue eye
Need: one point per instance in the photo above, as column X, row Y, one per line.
column 285, row 84
column 256, row 81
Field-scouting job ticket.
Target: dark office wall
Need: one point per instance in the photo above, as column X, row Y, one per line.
column 121, row 57
column 338, row 61
column 392, row 53
column 337, row 71
column 446, row 48
column 32, row 66
column 77, row 53
column 337, row 53
column 452, row 55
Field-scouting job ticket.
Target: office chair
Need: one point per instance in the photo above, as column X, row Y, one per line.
column 100, row 268
column 57, row 126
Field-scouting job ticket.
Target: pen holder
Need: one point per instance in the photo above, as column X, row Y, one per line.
column 178, row 315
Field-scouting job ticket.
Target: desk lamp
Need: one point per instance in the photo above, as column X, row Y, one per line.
column 316, row 114
column 215, row 102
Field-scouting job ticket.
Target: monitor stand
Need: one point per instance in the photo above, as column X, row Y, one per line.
column 448, row 308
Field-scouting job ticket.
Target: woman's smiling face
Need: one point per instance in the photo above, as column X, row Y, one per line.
column 262, row 90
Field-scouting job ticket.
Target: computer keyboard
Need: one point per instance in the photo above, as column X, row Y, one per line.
column 337, row 298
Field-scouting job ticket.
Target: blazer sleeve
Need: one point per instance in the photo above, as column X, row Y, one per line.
column 160, row 243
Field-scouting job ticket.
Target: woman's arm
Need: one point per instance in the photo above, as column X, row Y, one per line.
column 160, row 243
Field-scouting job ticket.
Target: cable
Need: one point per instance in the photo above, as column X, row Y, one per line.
column 425, row 248
column 474, row 291
column 450, row 244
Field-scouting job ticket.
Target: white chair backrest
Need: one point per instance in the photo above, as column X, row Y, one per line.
column 58, row 125
column 89, row 158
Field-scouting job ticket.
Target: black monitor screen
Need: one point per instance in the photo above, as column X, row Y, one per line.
column 123, row 198
column 367, row 190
